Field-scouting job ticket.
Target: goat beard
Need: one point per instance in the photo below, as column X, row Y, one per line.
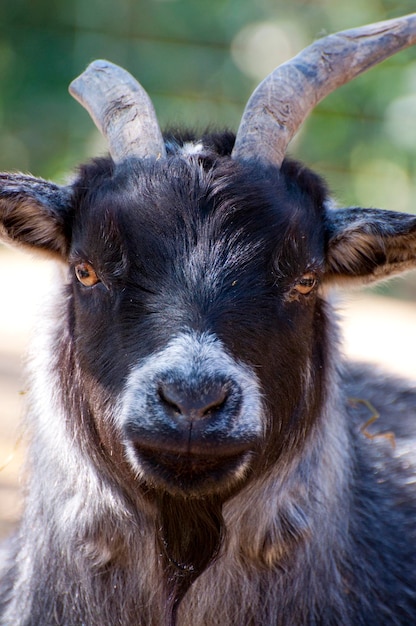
column 189, row 533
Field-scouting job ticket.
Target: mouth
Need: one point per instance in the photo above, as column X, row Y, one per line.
column 192, row 473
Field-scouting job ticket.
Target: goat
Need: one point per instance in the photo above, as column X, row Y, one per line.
column 197, row 449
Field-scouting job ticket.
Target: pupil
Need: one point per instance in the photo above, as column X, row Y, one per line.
column 85, row 274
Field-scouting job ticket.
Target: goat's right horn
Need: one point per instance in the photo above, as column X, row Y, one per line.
column 282, row 101
column 121, row 110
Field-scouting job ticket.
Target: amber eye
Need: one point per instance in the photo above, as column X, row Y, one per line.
column 86, row 274
column 306, row 284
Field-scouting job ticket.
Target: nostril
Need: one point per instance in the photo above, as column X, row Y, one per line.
column 168, row 398
column 193, row 403
column 214, row 402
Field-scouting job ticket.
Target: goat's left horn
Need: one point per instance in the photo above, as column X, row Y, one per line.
column 282, row 101
column 121, row 110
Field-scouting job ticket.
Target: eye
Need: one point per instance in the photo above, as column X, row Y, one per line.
column 86, row 274
column 306, row 284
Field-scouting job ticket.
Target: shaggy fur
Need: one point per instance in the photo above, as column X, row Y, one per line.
column 199, row 455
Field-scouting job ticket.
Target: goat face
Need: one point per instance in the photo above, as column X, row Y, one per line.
column 188, row 301
column 194, row 344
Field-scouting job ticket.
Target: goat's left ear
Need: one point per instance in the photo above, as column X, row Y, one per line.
column 369, row 244
column 34, row 214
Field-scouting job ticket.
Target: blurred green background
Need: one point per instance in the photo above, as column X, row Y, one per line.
column 200, row 61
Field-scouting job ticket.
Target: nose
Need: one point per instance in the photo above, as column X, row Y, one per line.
column 182, row 402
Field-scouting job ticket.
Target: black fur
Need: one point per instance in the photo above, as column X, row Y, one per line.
column 195, row 454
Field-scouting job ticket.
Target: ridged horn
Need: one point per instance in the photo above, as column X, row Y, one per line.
column 282, row 101
column 121, row 110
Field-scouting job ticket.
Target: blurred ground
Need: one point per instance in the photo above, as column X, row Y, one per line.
column 375, row 329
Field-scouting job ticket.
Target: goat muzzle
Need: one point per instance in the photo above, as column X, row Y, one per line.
column 194, row 447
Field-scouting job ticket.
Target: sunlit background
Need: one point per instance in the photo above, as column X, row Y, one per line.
column 199, row 61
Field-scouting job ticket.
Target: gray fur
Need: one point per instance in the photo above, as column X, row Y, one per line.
column 275, row 503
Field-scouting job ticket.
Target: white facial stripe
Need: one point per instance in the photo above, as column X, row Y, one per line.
column 75, row 472
column 191, row 148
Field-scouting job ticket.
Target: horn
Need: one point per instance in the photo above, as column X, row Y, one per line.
column 282, row 101
column 121, row 110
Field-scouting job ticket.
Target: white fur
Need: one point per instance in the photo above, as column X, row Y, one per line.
column 192, row 357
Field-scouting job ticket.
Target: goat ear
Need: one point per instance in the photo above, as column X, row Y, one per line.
column 369, row 244
column 34, row 214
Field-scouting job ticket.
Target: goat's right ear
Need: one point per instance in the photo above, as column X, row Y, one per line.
column 34, row 214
